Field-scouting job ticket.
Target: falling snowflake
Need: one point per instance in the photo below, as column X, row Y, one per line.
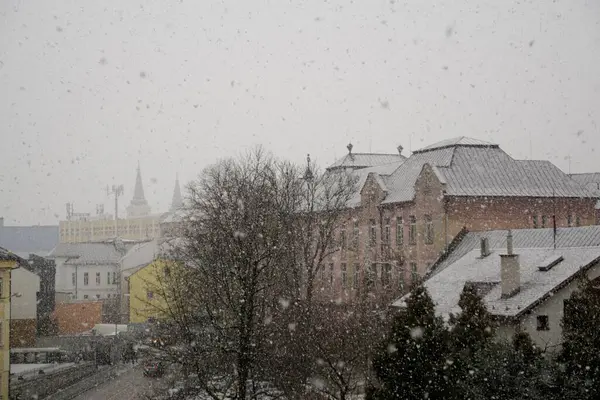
column 416, row 333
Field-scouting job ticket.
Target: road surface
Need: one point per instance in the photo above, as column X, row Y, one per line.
column 130, row 384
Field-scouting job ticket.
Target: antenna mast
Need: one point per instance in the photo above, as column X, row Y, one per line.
column 116, row 190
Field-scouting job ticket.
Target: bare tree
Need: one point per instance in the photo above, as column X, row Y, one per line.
column 235, row 243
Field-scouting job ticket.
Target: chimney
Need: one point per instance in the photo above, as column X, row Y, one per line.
column 485, row 247
column 510, row 270
column 400, row 148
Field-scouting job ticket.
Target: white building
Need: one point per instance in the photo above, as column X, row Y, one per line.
column 523, row 284
column 89, row 271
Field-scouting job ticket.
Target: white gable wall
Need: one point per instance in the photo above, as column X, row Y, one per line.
column 553, row 308
column 27, row 284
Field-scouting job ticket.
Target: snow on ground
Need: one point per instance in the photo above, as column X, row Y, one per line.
column 18, row 369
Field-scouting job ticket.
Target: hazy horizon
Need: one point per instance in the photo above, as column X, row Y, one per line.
column 89, row 89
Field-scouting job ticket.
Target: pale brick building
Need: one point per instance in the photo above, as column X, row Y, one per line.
column 409, row 210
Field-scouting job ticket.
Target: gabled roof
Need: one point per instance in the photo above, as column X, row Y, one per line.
column 446, row 286
column 470, row 167
column 90, row 252
column 29, row 239
column 364, row 160
column 381, row 173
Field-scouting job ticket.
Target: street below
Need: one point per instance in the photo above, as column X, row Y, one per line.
column 129, row 384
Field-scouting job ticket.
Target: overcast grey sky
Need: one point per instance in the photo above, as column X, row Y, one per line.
column 88, row 88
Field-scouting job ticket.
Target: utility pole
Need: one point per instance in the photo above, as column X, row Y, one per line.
column 116, row 190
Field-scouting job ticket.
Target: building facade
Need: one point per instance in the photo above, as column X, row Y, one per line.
column 89, row 271
column 25, row 286
column 8, row 263
column 145, row 288
column 409, row 211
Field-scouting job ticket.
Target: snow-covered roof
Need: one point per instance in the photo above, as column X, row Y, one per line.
column 591, row 181
column 457, row 141
column 446, row 286
column 91, row 252
column 6, row 255
column 140, row 255
column 381, row 173
column 583, row 236
column 364, row 160
column 469, row 167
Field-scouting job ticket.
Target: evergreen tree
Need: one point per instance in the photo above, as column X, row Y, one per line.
column 473, row 327
column 581, row 343
column 411, row 362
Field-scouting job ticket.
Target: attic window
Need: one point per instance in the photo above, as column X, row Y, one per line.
column 550, row 262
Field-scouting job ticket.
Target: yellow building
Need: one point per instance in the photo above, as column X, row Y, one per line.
column 8, row 262
column 95, row 230
column 147, row 291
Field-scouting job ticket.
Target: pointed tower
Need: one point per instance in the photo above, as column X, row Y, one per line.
column 139, row 206
column 177, row 202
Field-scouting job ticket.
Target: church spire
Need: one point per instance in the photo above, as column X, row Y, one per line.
column 138, row 194
column 139, row 206
column 177, row 202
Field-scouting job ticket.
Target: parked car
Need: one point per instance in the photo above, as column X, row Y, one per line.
column 154, row 368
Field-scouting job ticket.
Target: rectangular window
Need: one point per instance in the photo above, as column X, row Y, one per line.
column 386, row 274
column 331, row 274
column 97, row 278
column 149, row 295
column 569, row 220
column 387, row 232
column 428, row 229
column 98, row 296
column 577, row 221
column 85, row 297
column 355, row 234
column 371, row 275
column 399, row 231
column 372, row 233
column 343, row 237
column 86, row 278
column 108, row 278
column 535, row 222
column 114, row 278
column 412, row 233
column 544, row 221
column 1, row 333
column 73, row 279
column 543, row 323
column 167, row 271
column 1, row 287
column 414, row 275
column 356, row 280
column 344, row 276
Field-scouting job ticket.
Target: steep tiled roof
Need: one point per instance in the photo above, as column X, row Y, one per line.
column 89, row 253
column 364, row 160
column 584, row 236
column 473, row 168
column 446, row 286
column 29, row 239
